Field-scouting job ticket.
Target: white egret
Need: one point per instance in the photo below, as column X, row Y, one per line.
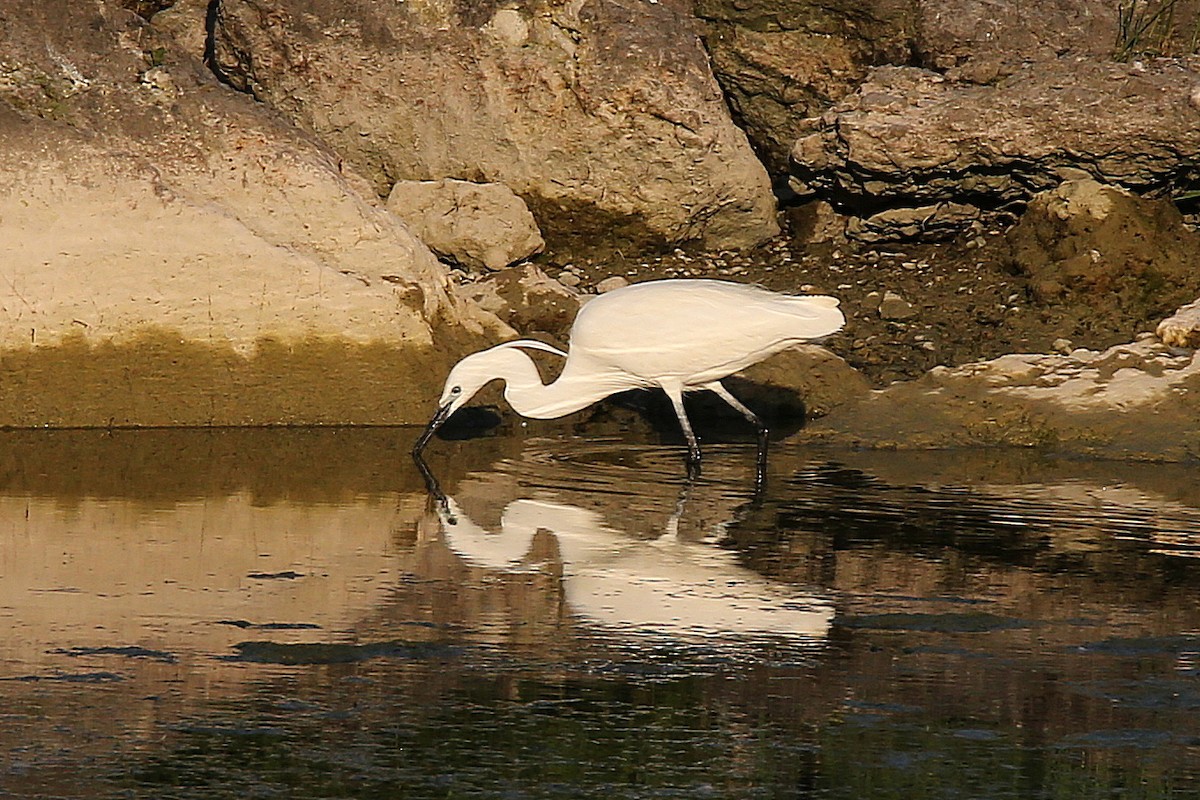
column 677, row 335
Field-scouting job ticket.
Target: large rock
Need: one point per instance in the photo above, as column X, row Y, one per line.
column 1135, row 400
column 175, row 256
column 979, row 41
column 603, row 115
column 782, row 61
column 1106, row 249
column 910, row 138
column 820, row 378
column 478, row 225
column 529, row 300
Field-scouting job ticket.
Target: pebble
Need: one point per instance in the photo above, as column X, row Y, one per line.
column 611, row 283
column 894, row 307
column 569, row 279
column 1064, row 346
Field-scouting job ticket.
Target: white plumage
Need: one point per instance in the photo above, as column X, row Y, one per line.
column 677, row 335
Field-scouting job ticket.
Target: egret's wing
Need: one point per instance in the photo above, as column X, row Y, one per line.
column 688, row 329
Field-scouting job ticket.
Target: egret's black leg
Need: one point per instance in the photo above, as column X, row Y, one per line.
column 693, row 459
column 761, row 461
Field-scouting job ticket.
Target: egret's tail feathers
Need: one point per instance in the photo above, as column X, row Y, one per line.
column 823, row 300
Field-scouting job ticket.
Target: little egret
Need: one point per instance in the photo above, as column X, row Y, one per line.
column 678, row 335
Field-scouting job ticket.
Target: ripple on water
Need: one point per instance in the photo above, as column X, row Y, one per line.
column 591, row 624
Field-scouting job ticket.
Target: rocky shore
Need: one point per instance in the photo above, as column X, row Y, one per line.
column 235, row 212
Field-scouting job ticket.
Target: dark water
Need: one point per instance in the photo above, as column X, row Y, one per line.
column 288, row 614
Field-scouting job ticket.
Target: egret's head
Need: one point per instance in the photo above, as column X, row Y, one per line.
column 472, row 374
column 468, row 377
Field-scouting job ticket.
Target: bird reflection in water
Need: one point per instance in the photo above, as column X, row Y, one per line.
column 678, row 587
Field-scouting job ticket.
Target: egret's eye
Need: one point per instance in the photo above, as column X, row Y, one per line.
column 456, row 391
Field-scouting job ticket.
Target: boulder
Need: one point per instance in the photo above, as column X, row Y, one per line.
column 979, row 41
column 529, row 300
column 1103, row 247
column 820, row 378
column 603, row 115
column 477, row 225
column 909, row 138
column 816, row 222
column 781, row 61
column 174, row 256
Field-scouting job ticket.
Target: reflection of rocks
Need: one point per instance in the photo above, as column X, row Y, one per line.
column 603, row 116
column 910, row 138
column 478, row 225
column 193, row 583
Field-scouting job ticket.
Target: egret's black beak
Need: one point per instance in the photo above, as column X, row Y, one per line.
column 441, row 416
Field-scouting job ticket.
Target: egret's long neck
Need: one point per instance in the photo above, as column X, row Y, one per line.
column 529, row 397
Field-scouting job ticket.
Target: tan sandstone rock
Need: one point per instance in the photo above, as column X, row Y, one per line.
column 603, row 116
column 1181, row 329
column 477, row 225
column 172, row 256
column 1139, row 399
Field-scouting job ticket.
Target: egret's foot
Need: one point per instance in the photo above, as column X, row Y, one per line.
column 693, row 465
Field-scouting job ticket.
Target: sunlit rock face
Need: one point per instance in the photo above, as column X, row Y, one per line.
column 604, row 117
column 1136, row 399
column 1181, row 329
column 911, row 138
column 161, row 232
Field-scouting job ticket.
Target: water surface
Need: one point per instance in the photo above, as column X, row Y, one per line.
column 291, row 614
